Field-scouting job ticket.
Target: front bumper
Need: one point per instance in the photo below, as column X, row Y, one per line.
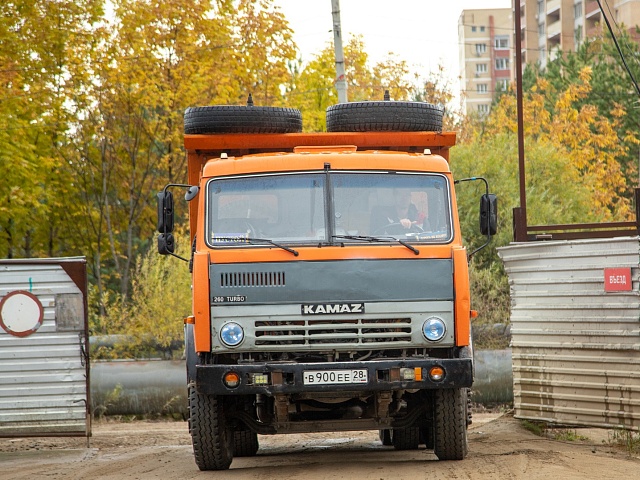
column 287, row 378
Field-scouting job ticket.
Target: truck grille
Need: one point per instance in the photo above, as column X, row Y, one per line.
column 364, row 332
column 252, row 279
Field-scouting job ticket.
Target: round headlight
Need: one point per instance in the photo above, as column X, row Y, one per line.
column 434, row 329
column 231, row 334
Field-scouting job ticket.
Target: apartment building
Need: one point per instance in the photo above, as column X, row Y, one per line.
column 486, row 38
column 486, row 56
column 551, row 26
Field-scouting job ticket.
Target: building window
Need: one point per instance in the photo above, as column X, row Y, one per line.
column 481, row 68
column 540, row 8
column 541, row 29
column 481, row 48
column 482, row 29
column 483, row 109
column 502, row 64
column 577, row 11
column 473, row 29
column 502, row 85
column 502, row 42
column 577, row 35
column 482, row 88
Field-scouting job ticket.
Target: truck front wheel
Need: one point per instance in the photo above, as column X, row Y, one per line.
column 211, row 438
column 450, row 442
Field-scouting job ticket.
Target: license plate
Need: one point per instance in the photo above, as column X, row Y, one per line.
column 329, row 377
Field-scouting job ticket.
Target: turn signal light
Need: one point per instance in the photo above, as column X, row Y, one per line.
column 231, row 379
column 436, row 373
column 260, row 378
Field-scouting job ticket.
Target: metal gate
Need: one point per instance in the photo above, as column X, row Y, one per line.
column 44, row 362
column 575, row 331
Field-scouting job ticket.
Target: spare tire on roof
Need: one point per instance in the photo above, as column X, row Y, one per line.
column 385, row 117
column 241, row 119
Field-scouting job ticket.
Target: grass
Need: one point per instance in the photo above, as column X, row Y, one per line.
column 537, row 428
column 568, row 435
column 627, row 439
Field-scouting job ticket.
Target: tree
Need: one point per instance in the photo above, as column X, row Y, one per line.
column 263, row 47
column 612, row 93
column 44, row 51
column 555, row 194
column 587, row 139
column 311, row 89
column 437, row 88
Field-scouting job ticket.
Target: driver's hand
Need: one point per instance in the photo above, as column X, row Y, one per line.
column 405, row 222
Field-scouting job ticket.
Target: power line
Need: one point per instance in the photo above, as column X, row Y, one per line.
column 615, row 40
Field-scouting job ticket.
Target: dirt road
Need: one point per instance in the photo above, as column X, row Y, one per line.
column 499, row 449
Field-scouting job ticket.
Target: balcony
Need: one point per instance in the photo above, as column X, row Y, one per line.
column 553, row 32
column 592, row 10
column 553, row 7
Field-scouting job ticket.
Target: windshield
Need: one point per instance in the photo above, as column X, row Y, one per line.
column 328, row 207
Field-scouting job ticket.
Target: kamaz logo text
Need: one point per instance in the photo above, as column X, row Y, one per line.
column 323, row 308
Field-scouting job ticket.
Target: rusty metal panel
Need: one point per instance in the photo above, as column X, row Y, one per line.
column 575, row 346
column 44, row 371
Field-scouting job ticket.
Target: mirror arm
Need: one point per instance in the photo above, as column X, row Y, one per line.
column 486, row 189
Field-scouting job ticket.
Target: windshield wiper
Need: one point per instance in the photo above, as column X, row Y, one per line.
column 368, row 238
column 271, row 242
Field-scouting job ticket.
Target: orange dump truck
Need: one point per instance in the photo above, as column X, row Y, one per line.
column 330, row 280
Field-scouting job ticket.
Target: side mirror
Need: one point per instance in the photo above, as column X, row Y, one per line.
column 191, row 193
column 166, row 244
column 488, row 214
column 165, row 212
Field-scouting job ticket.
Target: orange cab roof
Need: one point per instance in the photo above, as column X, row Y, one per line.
column 351, row 160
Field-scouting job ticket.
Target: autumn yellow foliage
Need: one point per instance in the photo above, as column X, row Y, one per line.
column 588, row 140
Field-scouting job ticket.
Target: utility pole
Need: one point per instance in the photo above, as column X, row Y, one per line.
column 520, row 213
column 341, row 79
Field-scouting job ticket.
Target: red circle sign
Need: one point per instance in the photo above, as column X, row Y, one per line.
column 21, row 313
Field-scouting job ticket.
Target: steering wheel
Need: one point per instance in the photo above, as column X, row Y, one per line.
column 250, row 229
column 396, row 228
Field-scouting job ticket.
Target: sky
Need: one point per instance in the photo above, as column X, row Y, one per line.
column 422, row 32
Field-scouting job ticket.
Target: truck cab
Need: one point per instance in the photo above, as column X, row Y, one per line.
column 330, row 289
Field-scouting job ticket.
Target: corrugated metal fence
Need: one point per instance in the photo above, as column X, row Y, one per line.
column 575, row 346
column 44, row 370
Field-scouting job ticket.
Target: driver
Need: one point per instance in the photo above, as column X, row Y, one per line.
column 402, row 212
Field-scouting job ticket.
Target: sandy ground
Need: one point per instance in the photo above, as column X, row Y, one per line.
column 500, row 448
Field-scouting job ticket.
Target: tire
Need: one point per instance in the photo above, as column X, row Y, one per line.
column 450, row 442
column 406, row 438
column 245, row 443
column 426, row 437
column 240, row 119
column 384, row 116
column 385, row 437
column 212, row 440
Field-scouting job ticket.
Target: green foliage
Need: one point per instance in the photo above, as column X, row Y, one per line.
column 537, row 428
column 568, row 435
column 611, row 92
column 628, row 439
column 555, row 195
column 151, row 321
column 490, row 297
